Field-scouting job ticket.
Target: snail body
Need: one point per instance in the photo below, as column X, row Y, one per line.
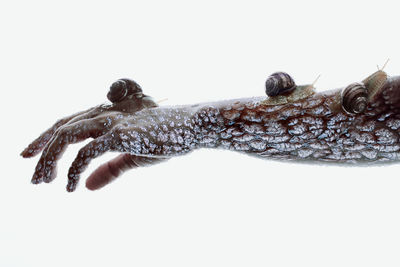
column 279, row 83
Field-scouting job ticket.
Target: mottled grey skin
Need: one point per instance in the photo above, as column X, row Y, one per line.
column 315, row 128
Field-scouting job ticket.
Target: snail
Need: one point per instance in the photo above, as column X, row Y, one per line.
column 355, row 98
column 123, row 89
column 279, row 83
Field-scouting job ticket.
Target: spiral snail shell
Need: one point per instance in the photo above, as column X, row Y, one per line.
column 122, row 90
column 355, row 98
column 279, row 83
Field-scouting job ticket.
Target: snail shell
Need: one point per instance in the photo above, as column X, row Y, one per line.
column 374, row 83
column 355, row 98
column 122, row 90
column 279, row 83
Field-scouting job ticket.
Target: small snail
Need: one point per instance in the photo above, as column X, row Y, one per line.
column 375, row 82
column 355, row 98
column 123, row 89
column 279, row 83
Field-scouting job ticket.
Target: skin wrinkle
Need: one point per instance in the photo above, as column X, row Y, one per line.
column 312, row 129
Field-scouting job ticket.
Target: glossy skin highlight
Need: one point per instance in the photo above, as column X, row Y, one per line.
column 315, row 128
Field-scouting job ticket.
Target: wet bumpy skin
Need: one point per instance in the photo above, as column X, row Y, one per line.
column 301, row 126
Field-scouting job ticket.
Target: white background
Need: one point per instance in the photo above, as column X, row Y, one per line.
column 210, row 208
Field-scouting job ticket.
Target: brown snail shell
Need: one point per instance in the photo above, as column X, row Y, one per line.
column 122, row 90
column 279, row 83
column 355, row 98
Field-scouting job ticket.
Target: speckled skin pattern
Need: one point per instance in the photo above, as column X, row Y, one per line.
column 315, row 128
